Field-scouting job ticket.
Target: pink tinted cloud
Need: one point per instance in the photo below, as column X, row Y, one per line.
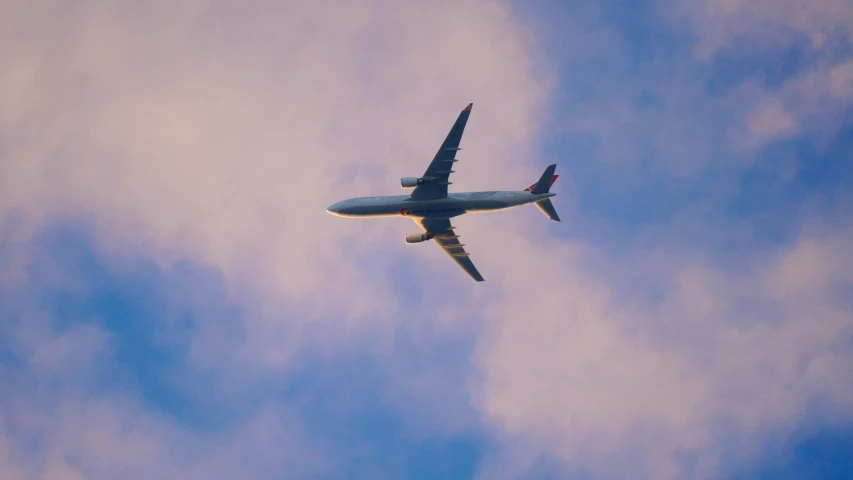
column 220, row 134
column 223, row 137
column 684, row 112
column 587, row 375
column 766, row 23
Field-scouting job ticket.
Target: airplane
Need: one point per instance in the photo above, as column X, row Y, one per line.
column 432, row 207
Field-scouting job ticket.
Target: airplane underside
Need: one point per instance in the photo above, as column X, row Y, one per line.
column 431, row 206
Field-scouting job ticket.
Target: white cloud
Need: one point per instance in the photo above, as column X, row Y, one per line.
column 67, row 410
column 220, row 134
column 712, row 84
column 815, row 96
column 841, row 80
column 602, row 382
column 766, row 23
column 108, row 436
column 813, row 102
column 770, row 121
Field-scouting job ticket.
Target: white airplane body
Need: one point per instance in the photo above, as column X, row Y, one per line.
column 432, row 207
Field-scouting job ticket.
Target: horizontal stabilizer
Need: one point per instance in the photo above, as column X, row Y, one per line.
column 547, row 208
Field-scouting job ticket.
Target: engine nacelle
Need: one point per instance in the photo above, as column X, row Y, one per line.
column 411, row 182
column 417, row 237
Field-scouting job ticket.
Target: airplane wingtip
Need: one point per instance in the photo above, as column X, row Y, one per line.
column 468, row 108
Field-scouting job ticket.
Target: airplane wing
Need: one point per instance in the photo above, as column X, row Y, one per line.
column 441, row 167
column 449, row 242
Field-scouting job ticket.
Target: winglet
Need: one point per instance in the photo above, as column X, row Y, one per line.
column 468, row 108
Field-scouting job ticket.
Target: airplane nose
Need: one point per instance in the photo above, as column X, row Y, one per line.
column 334, row 209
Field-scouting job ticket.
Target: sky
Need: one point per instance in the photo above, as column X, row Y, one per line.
column 176, row 303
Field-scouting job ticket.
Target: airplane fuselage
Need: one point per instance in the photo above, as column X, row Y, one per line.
column 455, row 204
column 431, row 205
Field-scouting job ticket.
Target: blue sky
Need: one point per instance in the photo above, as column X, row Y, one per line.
column 176, row 303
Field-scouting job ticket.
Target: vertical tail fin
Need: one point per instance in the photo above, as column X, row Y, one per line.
column 545, row 181
column 544, row 186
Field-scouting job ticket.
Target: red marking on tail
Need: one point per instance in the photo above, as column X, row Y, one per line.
column 553, row 179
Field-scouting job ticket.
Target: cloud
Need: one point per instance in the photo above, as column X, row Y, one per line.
column 690, row 90
column 841, row 80
column 221, row 134
column 618, row 387
column 675, row 346
column 812, row 103
column 720, row 23
column 102, row 379
column 112, row 436
column 816, row 96
column 770, row 121
column 214, row 136
column 199, row 144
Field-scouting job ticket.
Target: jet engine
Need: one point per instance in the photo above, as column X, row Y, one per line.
column 417, row 237
column 411, row 182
